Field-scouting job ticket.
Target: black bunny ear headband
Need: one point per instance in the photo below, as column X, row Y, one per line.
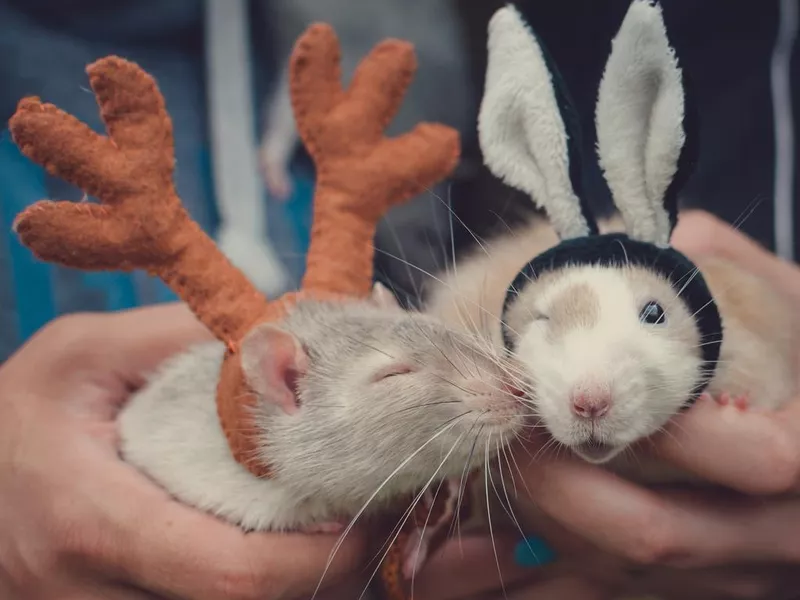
column 529, row 136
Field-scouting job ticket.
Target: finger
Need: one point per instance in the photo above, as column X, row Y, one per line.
column 468, row 567
column 117, row 350
column 177, row 551
column 417, row 160
column 119, row 592
column 561, row 588
column 649, row 528
column 131, row 107
column 740, row 582
column 65, row 147
column 136, row 341
column 380, row 82
column 315, row 77
column 753, row 452
column 79, row 235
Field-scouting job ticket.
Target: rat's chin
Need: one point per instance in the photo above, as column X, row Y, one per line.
column 596, row 452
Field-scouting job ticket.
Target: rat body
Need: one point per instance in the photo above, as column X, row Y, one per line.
column 602, row 377
column 613, row 353
column 616, row 330
column 348, row 392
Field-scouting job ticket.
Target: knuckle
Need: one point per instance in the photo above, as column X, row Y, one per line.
column 782, row 468
column 654, row 545
column 69, row 331
column 239, row 582
column 77, row 539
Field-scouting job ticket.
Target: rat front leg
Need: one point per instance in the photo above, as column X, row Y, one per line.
column 741, row 401
column 418, row 544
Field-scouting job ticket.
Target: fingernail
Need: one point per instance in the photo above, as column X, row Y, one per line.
column 533, row 552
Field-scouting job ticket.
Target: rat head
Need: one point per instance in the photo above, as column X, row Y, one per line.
column 350, row 392
column 617, row 332
column 612, row 351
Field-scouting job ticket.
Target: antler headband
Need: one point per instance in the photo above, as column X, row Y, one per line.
column 141, row 223
column 529, row 137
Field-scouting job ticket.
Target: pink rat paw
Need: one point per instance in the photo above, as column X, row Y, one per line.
column 415, row 553
column 329, row 527
column 741, row 402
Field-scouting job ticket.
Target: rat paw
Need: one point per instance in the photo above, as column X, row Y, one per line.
column 741, row 401
column 329, row 527
column 415, row 553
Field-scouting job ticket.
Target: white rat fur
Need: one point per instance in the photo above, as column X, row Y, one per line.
column 347, row 392
column 579, row 331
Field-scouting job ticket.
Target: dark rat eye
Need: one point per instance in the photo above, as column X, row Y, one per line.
column 392, row 371
column 652, row 314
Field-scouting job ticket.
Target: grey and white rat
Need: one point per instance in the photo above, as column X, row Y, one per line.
column 613, row 331
column 360, row 404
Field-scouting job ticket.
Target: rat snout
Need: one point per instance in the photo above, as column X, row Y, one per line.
column 590, row 400
column 498, row 402
column 497, row 389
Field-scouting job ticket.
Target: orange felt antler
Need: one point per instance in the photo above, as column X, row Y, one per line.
column 360, row 173
column 141, row 223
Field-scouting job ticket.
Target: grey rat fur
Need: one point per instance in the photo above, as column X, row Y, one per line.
column 348, row 434
column 650, row 372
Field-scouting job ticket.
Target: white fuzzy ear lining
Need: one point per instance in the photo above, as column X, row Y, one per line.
column 521, row 131
column 639, row 119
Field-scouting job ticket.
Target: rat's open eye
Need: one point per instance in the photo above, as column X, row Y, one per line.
column 652, row 314
column 392, row 371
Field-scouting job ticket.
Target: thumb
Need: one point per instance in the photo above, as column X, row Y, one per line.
column 180, row 552
column 118, row 348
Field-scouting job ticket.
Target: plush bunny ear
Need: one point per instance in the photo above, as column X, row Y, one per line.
column 640, row 124
column 521, row 126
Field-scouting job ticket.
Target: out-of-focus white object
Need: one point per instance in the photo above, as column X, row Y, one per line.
column 242, row 235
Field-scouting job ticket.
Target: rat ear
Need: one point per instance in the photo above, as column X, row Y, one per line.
column 383, row 297
column 521, row 125
column 640, row 124
column 272, row 360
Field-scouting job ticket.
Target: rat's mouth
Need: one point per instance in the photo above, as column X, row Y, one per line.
column 595, row 452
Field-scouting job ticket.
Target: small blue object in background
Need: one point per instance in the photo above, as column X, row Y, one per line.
column 533, row 552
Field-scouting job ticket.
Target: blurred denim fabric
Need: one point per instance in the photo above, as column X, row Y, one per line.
column 44, row 49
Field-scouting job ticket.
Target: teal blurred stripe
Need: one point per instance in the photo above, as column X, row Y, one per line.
column 22, row 183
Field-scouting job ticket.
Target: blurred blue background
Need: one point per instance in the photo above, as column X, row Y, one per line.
column 733, row 56
column 44, row 49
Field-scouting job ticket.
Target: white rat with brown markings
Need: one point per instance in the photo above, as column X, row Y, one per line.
column 613, row 352
column 616, row 332
column 359, row 406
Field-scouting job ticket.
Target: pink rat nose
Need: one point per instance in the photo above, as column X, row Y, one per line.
column 591, row 403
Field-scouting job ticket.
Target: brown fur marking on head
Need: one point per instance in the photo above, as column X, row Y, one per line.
column 577, row 306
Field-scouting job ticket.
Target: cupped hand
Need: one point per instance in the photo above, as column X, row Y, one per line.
column 681, row 543
column 490, row 567
column 78, row 523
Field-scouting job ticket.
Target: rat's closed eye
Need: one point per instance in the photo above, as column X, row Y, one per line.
column 392, row 370
column 653, row 314
column 539, row 315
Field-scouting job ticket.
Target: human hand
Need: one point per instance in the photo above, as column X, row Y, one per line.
column 78, row 523
column 692, row 544
column 497, row 566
